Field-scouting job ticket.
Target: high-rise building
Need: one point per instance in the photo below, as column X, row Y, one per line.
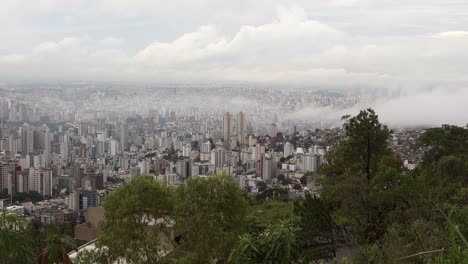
column 311, row 162
column 267, row 171
column 64, row 147
column 288, row 149
column 88, row 198
column 227, row 127
column 73, row 200
column 123, row 136
column 7, row 172
column 252, row 140
column 218, row 157
column 183, row 168
column 206, row 147
column 113, row 147
column 4, row 111
column 186, row 150
column 241, row 129
column 47, row 142
column 27, row 139
column 22, row 181
column 204, row 169
column 13, row 143
column 144, row 167
column 12, row 111
column 40, row 180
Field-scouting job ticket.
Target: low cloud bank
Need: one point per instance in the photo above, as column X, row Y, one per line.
column 425, row 108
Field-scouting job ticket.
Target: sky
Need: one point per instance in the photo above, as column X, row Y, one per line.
column 417, row 47
column 337, row 43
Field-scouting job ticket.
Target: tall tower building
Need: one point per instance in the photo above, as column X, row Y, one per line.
column 44, row 141
column 7, row 170
column 227, row 127
column 241, row 131
column 267, row 167
column 64, row 147
column 27, row 139
column 13, row 143
column 123, row 136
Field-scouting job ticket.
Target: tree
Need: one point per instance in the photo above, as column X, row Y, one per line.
column 361, row 178
column 444, row 141
column 261, row 185
column 392, row 214
column 137, row 216
column 277, row 244
column 210, row 215
column 280, row 177
column 272, row 193
column 30, row 196
column 267, row 213
column 304, row 179
column 315, row 220
column 56, row 249
column 367, row 140
column 16, row 242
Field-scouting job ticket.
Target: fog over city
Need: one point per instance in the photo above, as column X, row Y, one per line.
column 406, row 61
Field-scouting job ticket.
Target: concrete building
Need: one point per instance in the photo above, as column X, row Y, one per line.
column 218, row 157
column 288, row 149
column 267, row 164
column 27, row 139
column 202, row 169
column 311, row 162
column 241, row 128
column 40, row 180
column 93, row 226
column 187, row 150
column 7, row 177
column 227, row 127
column 73, row 200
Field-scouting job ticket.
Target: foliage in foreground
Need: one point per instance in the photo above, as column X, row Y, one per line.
column 276, row 244
column 20, row 242
column 392, row 215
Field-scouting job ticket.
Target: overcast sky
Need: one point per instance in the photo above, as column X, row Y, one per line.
column 408, row 44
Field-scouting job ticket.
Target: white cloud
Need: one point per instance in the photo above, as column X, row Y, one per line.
column 204, row 42
column 291, row 49
column 12, row 59
column 428, row 108
column 452, row 34
column 431, row 108
column 339, row 44
column 111, row 41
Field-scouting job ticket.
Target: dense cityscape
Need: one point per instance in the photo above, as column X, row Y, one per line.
column 233, row 132
column 90, row 141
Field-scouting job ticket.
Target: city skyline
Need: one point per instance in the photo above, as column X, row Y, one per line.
column 394, row 52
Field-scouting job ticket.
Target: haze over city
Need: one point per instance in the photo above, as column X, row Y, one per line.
column 398, row 49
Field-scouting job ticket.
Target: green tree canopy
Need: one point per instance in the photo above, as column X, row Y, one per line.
column 136, row 219
column 16, row 242
column 277, row 244
column 211, row 215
